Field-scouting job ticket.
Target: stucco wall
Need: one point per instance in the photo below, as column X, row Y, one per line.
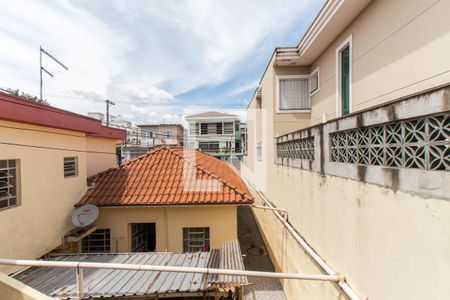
column 390, row 245
column 101, row 155
column 222, row 221
column 47, row 198
column 398, row 48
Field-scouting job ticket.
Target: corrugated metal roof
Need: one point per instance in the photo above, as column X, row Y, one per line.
column 61, row 282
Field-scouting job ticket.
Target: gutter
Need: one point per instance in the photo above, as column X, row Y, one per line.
column 307, row 248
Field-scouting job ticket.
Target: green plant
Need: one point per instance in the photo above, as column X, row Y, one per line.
column 23, row 95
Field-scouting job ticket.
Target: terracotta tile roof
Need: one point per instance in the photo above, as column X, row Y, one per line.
column 168, row 176
column 210, row 114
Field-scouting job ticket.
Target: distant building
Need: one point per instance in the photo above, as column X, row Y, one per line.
column 162, row 134
column 133, row 137
column 216, row 133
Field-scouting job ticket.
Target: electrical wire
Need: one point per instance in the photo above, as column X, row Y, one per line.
column 56, row 148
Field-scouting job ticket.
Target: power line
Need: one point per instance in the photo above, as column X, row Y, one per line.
column 55, row 148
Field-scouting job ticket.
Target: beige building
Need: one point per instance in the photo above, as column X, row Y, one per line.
column 171, row 199
column 162, row 134
column 349, row 132
column 46, row 155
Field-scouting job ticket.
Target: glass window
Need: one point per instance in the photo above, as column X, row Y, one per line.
column 314, row 82
column 196, row 239
column 228, row 128
column 8, row 183
column 345, row 80
column 293, row 94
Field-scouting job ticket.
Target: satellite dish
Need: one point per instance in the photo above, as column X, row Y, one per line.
column 85, row 215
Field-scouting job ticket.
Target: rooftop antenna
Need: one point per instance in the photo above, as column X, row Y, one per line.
column 41, row 68
column 108, row 103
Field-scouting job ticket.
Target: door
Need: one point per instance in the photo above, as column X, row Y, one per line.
column 143, row 237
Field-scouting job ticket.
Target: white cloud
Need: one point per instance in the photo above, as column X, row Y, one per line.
column 142, row 94
column 140, row 54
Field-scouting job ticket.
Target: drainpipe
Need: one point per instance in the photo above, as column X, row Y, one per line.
column 311, row 252
column 166, row 233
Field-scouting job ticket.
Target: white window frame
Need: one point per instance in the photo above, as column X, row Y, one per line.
column 312, row 93
column 194, row 231
column 98, row 235
column 344, row 44
column 277, row 92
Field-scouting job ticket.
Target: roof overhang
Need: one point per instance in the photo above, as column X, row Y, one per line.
column 332, row 19
column 16, row 109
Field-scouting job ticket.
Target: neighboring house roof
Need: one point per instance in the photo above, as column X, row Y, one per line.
column 168, row 176
column 210, row 114
column 99, row 283
column 16, row 109
column 156, row 125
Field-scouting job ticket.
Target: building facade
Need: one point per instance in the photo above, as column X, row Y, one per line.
column 214, row 132
column 170, row 199
column 46, row 155
column 162, row 134
column 349, row 132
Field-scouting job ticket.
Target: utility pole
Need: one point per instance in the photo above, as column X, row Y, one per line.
column 41, row 68
column 108, row 103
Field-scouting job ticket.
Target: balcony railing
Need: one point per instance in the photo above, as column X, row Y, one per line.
column 388, row 145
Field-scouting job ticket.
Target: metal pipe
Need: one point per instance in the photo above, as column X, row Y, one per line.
column 134, row 267
column 79, row 274
column 285, row 213
column 311, row 252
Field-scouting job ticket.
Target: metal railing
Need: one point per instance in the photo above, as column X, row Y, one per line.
column 80, row 266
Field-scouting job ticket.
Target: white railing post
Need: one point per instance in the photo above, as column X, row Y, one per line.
column 79, row 272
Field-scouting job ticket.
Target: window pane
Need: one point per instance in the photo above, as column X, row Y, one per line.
column 314, row 82
column 345, row 80
column 294, row 94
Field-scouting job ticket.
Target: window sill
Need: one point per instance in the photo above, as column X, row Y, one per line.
column 8, row 207
column 294, row 111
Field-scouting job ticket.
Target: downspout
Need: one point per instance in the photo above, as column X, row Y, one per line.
column 306, row 247
column 166, row 233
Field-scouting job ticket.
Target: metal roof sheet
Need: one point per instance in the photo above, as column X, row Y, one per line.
column 61, row 282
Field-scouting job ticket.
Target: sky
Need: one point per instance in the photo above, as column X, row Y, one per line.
column 157, row 60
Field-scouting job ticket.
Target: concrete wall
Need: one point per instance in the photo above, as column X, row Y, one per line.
column 222, row 221
column 47, row 198
column 102, row 155
column 389, row 243
column 11, row 289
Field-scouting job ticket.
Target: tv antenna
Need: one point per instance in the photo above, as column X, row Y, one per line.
column 108, row 103
column 41, row 68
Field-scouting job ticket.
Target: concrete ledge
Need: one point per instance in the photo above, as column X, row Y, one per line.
column 12, row 289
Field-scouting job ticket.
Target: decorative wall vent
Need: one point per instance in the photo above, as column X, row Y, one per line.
column 297, row 149
column 422, row 143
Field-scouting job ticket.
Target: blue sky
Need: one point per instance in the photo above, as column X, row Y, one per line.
column 159, row 60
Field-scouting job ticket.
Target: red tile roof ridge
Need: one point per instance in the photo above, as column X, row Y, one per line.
column 208, row 172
